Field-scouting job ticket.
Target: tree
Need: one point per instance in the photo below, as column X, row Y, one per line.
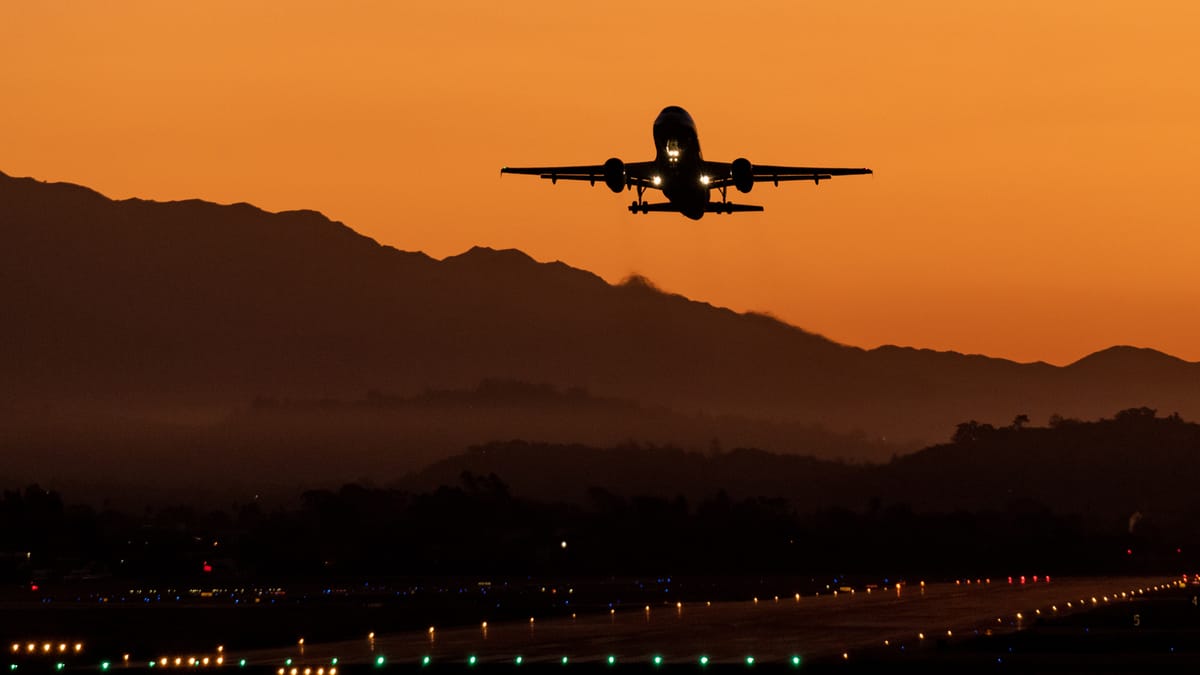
column 971, row 432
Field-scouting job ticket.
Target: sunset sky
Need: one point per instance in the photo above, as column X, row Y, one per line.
column 1037, row 164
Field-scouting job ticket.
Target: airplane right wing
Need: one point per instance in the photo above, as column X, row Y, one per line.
column 633, row 173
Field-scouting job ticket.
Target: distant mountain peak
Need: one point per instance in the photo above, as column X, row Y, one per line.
column 510, row 255
column 1127, row 356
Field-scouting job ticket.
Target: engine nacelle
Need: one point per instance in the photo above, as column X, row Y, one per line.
column 614, row 174
column 742, row 173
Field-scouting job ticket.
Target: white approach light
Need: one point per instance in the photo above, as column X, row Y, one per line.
column 658, row 180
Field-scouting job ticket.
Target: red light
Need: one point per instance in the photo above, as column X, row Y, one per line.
column 1035, row 578
column 1010, row 580
column 207, row 567
column 1022, row 578
column 1047, row 578
column 33, row 587
column 1128, row 551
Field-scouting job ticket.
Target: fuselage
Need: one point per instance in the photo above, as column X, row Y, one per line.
column 680, row 164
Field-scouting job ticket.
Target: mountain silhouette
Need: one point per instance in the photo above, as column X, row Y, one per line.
column 1105, row 471
column 170, row 309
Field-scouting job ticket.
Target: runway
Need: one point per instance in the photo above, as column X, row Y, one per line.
column 769, row 630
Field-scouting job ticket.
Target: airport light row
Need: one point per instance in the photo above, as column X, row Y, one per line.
column 379, row 661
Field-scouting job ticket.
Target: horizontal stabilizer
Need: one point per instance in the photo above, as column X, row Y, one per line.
column 711, row 207
column 730, row 207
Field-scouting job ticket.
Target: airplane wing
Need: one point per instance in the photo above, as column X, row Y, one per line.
column 722, row 173
column 636, row 173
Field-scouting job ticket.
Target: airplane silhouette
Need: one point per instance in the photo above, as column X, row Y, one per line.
column 682, row 173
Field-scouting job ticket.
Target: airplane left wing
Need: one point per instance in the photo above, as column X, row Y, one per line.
column 723, row 173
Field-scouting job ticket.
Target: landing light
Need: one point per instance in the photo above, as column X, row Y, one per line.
column 705, row 180
column 657, row 180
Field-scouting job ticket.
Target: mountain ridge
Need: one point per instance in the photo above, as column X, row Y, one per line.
column 135, row 303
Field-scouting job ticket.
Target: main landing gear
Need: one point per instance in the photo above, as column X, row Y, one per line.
column 639, row 205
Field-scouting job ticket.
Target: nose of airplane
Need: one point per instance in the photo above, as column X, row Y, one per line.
column 675, row 115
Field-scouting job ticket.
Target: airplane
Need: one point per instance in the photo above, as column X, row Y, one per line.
column 682, row 173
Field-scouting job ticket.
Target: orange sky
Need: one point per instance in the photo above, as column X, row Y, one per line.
column 1036, row 162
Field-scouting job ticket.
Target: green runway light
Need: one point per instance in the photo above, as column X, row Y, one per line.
column 60, row 665
column 611, row 659
column 152, row 664
column 471, row 660
column 657, row 660
column 749, row 660
column 519, row 660
column 796, row 661
column 379, row 661
column 425, row 660
column 242, row 663
column 704, row 660
column 564, row 660
column 288, row 662
column 332, row 662
column 104, row 665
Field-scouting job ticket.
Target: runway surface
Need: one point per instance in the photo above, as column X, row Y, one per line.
column 771, row 630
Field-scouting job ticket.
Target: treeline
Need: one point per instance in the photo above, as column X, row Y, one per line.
column 480, row 528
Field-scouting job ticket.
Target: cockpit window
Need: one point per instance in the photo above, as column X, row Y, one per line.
column 673, row 150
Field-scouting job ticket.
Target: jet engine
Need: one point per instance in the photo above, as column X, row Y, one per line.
column 742, row 173
column 614, row 174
